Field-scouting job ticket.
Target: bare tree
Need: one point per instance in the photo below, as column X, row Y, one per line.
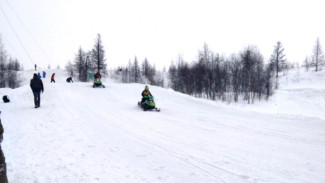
column 236, row 75
column 13, row 79
column 278, row 61
column 318, row 57
column 135, row 72
column 306, row 64
column 70, row 69
column 251, row 60
column 148, row 72
column 8, row 70
column 80, row 65
column 172, row 73
column 3, row 60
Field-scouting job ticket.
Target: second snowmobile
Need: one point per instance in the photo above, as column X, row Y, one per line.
column 97, row 82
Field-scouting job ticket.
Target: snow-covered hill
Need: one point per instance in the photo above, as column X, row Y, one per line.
column 81, row 134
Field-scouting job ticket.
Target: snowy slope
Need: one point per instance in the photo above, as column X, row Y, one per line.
column 300, row 93
column 81, row 134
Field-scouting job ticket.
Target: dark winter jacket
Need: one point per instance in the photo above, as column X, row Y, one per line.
column 36, row 84
column 2, row 157
column 146, row 93
column 1, row 131
column 97, row 75
column 69, row 79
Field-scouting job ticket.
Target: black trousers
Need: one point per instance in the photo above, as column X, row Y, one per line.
column 37, row 98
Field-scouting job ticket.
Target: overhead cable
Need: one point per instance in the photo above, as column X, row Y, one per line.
column 21, row 43
column 31, row 35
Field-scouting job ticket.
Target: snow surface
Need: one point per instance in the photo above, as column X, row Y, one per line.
column 81, row 134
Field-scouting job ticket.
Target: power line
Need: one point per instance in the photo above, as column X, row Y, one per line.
column 17, row 35
column 12, row 48
column 31, row 35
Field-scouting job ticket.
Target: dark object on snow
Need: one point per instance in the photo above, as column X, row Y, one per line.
column 3, row 166
column 53, row 78
column 69, row 80
column 37, row 86
column 5, row 99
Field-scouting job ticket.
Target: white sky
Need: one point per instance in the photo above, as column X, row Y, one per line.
column 159, row 30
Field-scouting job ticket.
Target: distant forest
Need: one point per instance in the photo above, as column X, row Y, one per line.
column 9, row 68
column 246, row 75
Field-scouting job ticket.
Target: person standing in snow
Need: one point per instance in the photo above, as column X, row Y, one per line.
column 36, row 85
column 39, row 75
column 53, row 78
column 3, row 166
column 44, row 74
column 35, row 67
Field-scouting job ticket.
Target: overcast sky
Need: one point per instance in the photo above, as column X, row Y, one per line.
column 159, row 30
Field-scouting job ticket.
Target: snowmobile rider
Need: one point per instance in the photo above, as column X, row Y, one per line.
column 53, row 78
column 97, row 75
column 146, row 93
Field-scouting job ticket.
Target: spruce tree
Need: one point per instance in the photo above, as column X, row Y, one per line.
column 318, row 57
column 98, row 56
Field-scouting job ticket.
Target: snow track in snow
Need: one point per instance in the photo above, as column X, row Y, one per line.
column 85, row 134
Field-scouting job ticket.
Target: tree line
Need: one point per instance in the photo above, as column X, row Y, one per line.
column 94, row 60
column 140, row 73
column 216, row 77
column 9, row 68
column 213, row 76
column 88, row 61
column 245, row 75
column 316, row 60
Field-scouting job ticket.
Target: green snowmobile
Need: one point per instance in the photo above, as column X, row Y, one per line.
column 148, row 104
column 97, row 81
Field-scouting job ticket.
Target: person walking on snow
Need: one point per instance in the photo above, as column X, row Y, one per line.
column 145, row 94
column 36, row 85
column 44, row 74
column 39, row 75
column 52, row 78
